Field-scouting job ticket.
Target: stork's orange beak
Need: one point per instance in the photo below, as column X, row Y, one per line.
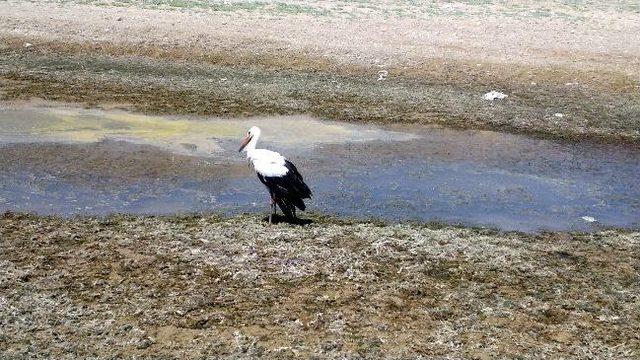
column 245, row 141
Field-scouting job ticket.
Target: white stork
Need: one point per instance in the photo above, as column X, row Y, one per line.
column 279, row 175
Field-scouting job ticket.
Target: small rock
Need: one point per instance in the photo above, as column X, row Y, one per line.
column 493, row 95
column 145, row 343
column 559, row 115
column 332, row 346
column 119, row 19
column 562, row 337
column 382, row 75
column 608, row 318
column 28, row 45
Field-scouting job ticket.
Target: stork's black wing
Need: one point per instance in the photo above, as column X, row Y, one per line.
column 289, row 190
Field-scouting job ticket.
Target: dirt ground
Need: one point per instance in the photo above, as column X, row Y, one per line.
column 206, row 286
column 387, row 61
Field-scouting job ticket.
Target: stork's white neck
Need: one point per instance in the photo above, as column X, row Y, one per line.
column 252, row 144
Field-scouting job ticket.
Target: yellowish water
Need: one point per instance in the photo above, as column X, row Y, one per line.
column 191, row 135
column 474, row 177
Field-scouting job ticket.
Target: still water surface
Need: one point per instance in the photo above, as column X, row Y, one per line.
column 65, row 160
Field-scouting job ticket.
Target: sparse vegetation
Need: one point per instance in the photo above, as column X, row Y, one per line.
column 605, row 107
column 209, row 286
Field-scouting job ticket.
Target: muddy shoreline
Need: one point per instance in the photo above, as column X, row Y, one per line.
column 434, row 62
column 198, row 286
column 594, row 106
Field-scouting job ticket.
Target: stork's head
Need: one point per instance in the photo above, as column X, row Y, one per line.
column 253, row 133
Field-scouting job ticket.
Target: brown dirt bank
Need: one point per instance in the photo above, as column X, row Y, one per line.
column 190, row 287
column 324, row 58
column 595, row 105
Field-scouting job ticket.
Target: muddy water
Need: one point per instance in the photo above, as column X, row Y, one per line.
column 66, row 160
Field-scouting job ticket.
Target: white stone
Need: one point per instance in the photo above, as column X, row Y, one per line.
column 493, row 95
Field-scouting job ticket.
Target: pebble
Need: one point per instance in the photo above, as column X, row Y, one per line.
column 493, row 95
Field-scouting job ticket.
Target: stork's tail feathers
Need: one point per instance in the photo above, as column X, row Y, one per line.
column 298, row 187
column 288, row 209
column 289, row 191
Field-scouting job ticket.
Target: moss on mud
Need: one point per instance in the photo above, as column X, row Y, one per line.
column 603, row 106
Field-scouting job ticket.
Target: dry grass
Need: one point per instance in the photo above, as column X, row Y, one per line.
column 192, row 287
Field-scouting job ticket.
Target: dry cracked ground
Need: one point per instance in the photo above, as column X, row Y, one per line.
column 210, row 287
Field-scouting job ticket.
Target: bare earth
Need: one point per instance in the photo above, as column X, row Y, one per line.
column 205, row 286
column 381, row 33
column 210, row 287
column 250, row 58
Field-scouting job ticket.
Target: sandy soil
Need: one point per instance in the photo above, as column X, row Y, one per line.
column 204, row 286
column 381, row 33
column 325, row 58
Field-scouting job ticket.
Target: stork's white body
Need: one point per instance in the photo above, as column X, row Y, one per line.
column 286, row 185
column 267, row 162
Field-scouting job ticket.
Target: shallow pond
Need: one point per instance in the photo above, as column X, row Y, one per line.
column 65, row 160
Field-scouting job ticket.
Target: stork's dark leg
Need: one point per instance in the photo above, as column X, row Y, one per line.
column 272, row 211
